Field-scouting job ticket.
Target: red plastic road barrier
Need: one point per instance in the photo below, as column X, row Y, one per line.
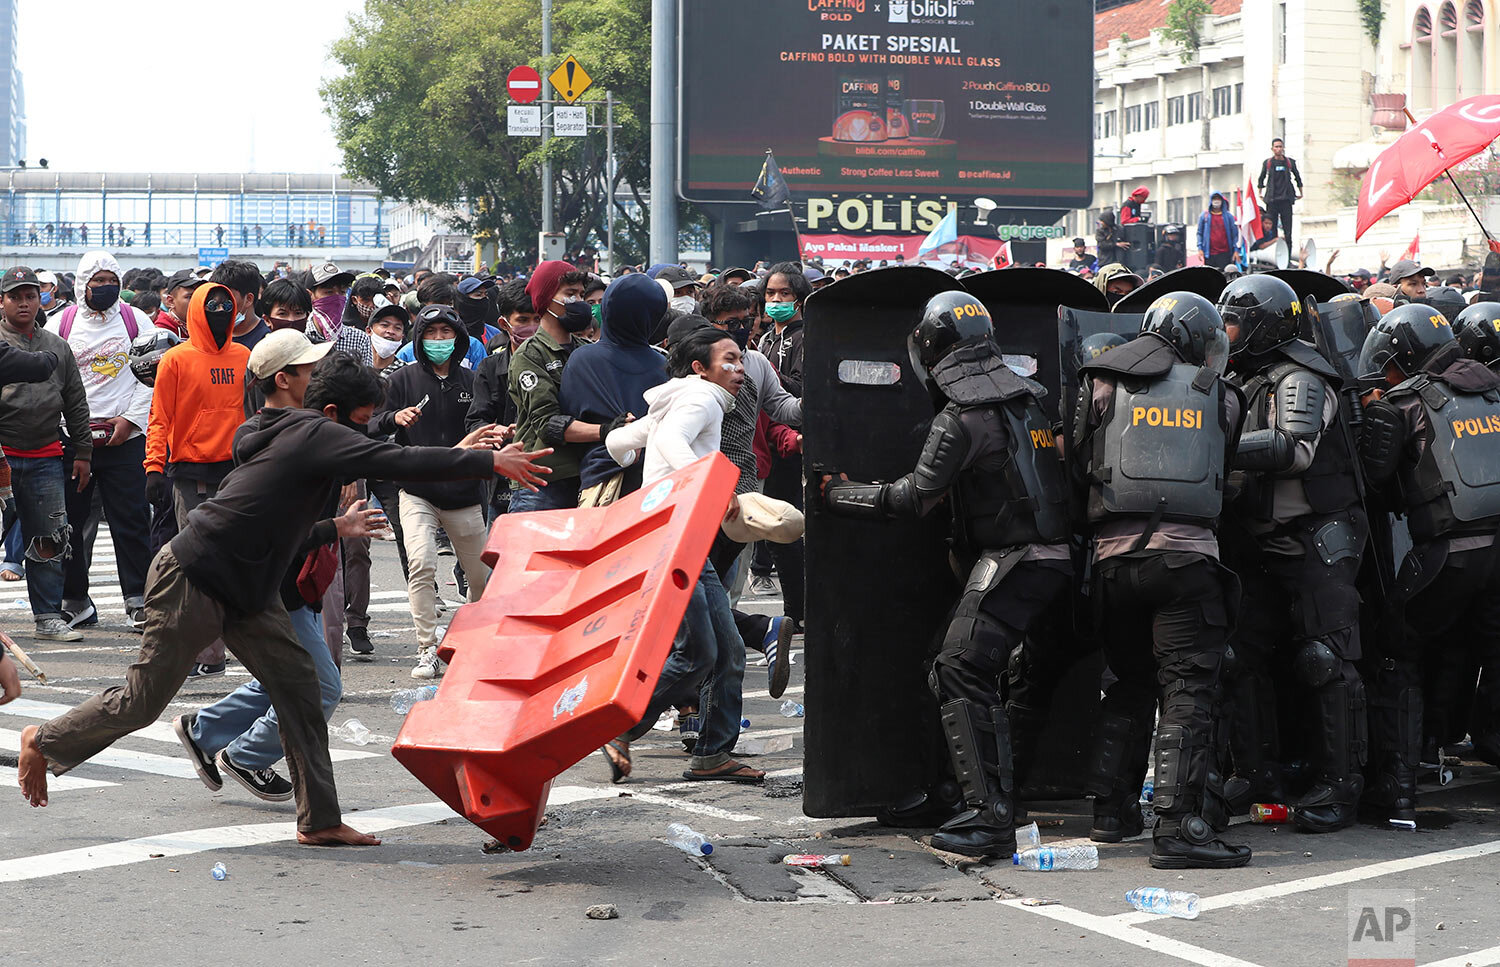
column 561, row 653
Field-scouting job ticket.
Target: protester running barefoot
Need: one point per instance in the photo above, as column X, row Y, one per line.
column 220, row 576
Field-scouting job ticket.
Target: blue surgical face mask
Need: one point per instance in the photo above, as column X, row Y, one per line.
column 46, row 299
column 439, row 351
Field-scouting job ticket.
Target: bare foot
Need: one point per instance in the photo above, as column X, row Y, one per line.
column 31, row 769
column 340, row 835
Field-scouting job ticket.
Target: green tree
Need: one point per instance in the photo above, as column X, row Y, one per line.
column 1184, row 25
column 420, row 111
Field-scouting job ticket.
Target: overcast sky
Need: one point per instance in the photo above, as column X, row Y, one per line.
column 114, row 86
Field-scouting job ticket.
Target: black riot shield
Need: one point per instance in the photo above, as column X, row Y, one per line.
column 1074, row 326
column 1311, row 286
column 1024, row 304
column 878, row 592
column 1204, row 280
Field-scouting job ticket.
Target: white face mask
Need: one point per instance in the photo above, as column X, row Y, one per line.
column 684, row 303
column 384, row 348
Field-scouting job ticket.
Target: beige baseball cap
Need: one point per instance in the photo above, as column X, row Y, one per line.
column 283, row 348
column 763, row 518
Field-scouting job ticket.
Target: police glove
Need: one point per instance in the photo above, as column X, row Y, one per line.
column 156, row 487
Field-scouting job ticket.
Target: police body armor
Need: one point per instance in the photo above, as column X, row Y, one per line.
column 1160, row 451
column 1021, row 499
column 1329, row 484
column 1455, row 488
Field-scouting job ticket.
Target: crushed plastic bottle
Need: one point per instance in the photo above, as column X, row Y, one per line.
column 1028, row 837
column 404, row 699
column 1164, row 902
column 689, row 840
column 219, row 871
column 353, row 730
column 1269, row 812
column 791, row 709
column 1045, row 858
column 1148, row 791
column 816, row 859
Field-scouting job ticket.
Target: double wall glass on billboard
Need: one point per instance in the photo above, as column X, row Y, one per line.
column 71, row 209
column 989, row 98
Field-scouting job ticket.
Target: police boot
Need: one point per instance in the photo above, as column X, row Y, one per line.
column 1116, row 772
column 979, row 744
column 1393, row 790
column 924, row 808
column 1251, row 726
column 1333, row 801
column 1183, row 838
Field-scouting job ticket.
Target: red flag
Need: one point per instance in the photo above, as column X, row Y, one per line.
column 1002, row 256
column 1249, row 213
column 1414, row 250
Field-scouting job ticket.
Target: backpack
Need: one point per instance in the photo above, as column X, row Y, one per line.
column 127, row 311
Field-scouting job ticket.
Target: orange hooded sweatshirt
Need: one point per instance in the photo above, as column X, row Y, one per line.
column 198, row 401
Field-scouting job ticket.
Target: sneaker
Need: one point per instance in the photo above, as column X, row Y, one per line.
column 203, row 763
column 55, row 629
column 359, row 641
column 777, row 646
column 444, row 545
column 136, row 617
column 763, row 586
column 205, row 670
column 261, row 783
column 688, row 727
column 428, row 666
column 85, row 617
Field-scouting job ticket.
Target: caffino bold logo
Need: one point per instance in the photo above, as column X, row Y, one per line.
column 822, row 6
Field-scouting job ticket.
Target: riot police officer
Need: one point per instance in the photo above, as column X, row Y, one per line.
column 1155, row 428
column 1477, row 329
column 1301, row 507
column 991, row 450
column 1431, row 433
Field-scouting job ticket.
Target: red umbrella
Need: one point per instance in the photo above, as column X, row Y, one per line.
column 1424, row 153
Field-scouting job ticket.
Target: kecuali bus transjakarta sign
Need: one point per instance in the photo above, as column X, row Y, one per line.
column 924, row 97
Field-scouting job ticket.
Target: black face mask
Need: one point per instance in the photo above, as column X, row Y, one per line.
column 363, row 429
column 474, row 313
column 220, row 323
column 577, row 316
column 101, row 297
column 741, row 335
column 1114, row 297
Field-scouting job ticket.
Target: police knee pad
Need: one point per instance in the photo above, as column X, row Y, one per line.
column 1315, row 664
column 979, row 642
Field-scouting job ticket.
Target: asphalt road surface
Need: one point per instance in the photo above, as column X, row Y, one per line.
column 116, row 870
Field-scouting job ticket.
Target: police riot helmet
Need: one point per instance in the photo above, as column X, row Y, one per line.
column 949, row 319
column 1408, row 336
column 1266, row 311
column 1097, row 345
column 1192, row 325
column 1478, row 332
column 1447, row 300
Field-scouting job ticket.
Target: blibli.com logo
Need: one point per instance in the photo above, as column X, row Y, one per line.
column 898, row 11
column 907, row 11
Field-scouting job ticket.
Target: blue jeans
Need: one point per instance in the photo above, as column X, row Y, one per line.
column 40, row 486
column 557, row 495
column 14, row 554
column 244, row 721
column 709, row 655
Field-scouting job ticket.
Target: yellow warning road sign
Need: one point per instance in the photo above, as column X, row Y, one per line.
column 570, row 80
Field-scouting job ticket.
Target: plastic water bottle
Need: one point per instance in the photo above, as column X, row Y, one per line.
column 1164, row 902
column 220, row 871
column 689, row 840
column 1028, row 837
column 1046, row 858
column 1148, row 791
column 817, row 859
column 403, row 700
column 353, row 730
column 791, row 709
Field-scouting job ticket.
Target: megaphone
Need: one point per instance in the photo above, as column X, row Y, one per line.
column 1276, row 256
column 1310, row 252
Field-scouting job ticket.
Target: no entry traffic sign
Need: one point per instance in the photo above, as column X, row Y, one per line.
column 523, row 84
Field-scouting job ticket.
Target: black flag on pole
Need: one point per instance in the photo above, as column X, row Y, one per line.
column 770, row 188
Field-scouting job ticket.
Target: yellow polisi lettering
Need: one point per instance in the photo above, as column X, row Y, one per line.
column 1041, row 439
column 1167, row 416
column 1476, row 427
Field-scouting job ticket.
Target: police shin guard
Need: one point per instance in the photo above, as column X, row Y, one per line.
column 979, row 744
column 1183, row 838
column 1333, row 801
column 1027, row 726
column 1394, row 790
column 1121, row 745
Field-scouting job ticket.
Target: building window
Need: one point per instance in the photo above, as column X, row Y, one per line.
column 1445, row 55
column 1225, row 101
column 1176, row 211
column 1471, row 51
column 1133, row 119
column 1104, row 124
column 1176, row 110
column 1420, row 53
column 1150, row 116
column 1195, row 106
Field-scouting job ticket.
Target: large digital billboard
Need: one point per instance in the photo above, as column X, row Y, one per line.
column 989, row 98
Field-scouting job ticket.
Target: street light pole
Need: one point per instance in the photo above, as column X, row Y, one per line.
column 609, row 178
column 546, row 121
column 664, row 131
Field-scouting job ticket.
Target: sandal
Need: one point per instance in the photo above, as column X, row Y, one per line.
column 617, row 772
column 730, row 771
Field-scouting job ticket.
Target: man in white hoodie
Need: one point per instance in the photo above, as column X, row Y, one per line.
column 100, row 330
column 707, row 664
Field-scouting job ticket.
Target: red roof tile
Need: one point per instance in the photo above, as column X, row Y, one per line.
column 1140, row 18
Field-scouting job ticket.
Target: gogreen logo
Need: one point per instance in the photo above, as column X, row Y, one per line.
column 1008, row 232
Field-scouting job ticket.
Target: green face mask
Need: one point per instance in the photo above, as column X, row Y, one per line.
column 439, row 351
column 598, row 310
column 781, row 311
